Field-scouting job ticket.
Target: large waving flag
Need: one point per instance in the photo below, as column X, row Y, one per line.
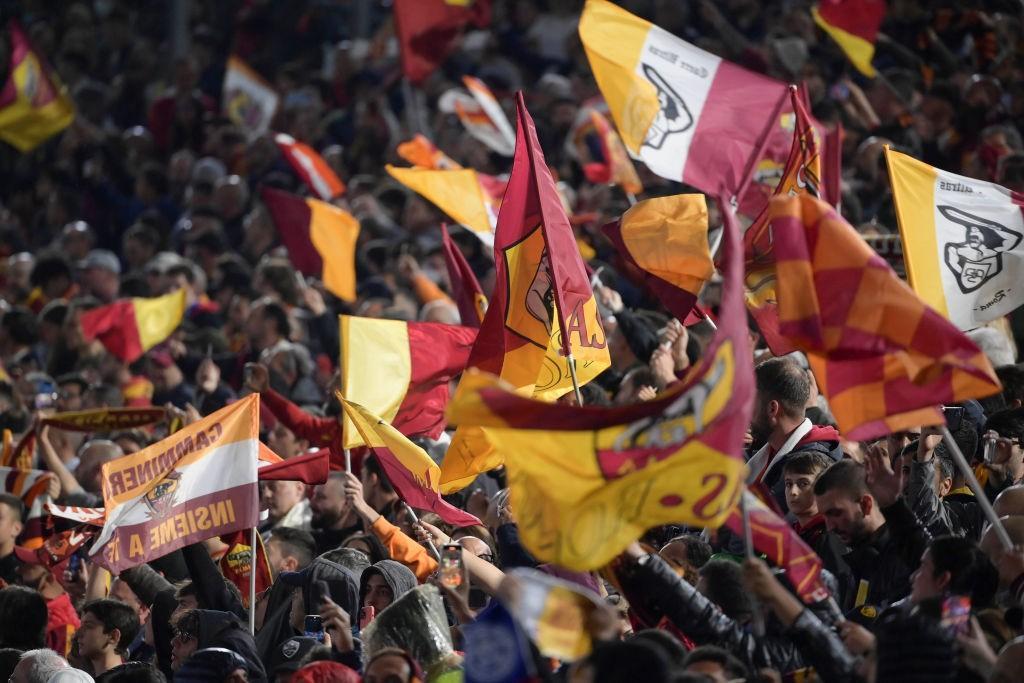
column 311, row 167
column 961, row 241
column 585, row 482
column 412, row 473
column 427, row 29
column 884, row 359
column 401, row 370
column 34, row 105
column 687, row 114
column 465, row 287
column 542, row 310
column 198, row 483
column 248, row 100
column 130, row 327
column 666, row 238
column 320, row 238
column 801, row 175
column 853, row 24
column 459, row 193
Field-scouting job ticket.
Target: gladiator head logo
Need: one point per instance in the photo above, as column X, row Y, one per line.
column 979, row 258
column 673, row 115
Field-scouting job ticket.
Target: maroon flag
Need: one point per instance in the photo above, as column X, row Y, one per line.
column 311, row 468
column 465, row 287
column 427, row 30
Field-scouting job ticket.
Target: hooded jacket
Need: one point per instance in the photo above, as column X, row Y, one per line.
column 399, row 578
column 820, row 439
column 223, row 629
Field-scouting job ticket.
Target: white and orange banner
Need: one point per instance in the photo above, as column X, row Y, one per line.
column 481, row 115
column 248, row 99
column 311, row 167
column 198, row 483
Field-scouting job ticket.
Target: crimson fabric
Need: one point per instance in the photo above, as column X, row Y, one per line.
column 466, row 289
column 311, row 468
column 427, row 29
column 417, row 495
column 324, row 432
column 437, row 353
column 292, row 216
column 114, row 326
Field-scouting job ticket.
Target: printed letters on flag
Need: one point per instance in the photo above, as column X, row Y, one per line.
column 320, row 238
column 427, row 29
column 667, row 239
column 585, row 482
column 401, row 371
column 412, row 473
column 542, row 309
column 884, row 359
column 311, row 167
column 853, row 24
column 783, row 547
column 130, row 327
column 34, row 104
column 962, row 241
column 687, row 114
column 249, row 101
column 465, row 287
column 197, row 483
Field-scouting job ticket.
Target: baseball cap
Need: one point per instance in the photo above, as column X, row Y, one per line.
column 292, row 651
column 101, row 258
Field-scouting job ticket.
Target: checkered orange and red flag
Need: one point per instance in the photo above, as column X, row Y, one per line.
column 884, row 359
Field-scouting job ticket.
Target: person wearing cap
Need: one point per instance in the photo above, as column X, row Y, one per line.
column 100, row 275
column 290, row 655
column 38, row 574
column 392, row 664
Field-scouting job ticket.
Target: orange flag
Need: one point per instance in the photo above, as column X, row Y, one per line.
column 884, row 359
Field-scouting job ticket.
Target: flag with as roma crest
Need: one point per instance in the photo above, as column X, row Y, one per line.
column 543, row 309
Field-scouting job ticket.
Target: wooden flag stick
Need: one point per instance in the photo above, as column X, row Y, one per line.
column 575, row 382
column 252, row 581
column 976, row 488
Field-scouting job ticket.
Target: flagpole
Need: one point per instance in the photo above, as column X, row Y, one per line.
column 575, row 382
column 773, row 120
column 252, row 581
column 632, row 198
column 976, row 488
column 416, row 520
column 348, row 460
column 757, row 619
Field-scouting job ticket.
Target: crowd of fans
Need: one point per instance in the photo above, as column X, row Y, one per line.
column 152, row 189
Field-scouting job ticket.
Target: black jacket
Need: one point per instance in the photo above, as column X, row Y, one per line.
column 223, row 629
column 957, row 514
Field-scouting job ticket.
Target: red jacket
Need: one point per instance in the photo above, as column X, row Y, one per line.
column 62, row 624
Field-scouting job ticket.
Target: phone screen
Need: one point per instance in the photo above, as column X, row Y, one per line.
column 451, row 565
column 314, row 627
column 956, row 614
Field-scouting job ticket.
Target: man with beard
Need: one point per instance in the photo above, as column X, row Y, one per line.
column 879, row 564
column 333, row 520
column 779, row 427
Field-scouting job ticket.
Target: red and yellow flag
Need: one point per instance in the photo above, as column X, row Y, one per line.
column 542, row 310
column 667, row 239
column 884, row 359
column 130, row 327
column 585, row 482
column 401, row 371
column 802, row 175
column 465, row 287
column 412, row 473
column 33, row 103
column 311, row 167
column 601, row 153
column 422, row 153
column 320, row 238
column 427, row 29
column 853, row 24
column 459, row 193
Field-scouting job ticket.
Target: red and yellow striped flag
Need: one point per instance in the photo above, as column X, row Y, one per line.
column 853, row 24
column 130, row 327
column 884, row 359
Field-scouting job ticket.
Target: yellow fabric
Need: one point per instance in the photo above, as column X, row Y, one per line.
column 24, row 125
column 913, row 192
column 668, row 237
column 334, row 232
column 859, row 51
column 455, row 192
column 375, row 368
column 158, row 317
column 613, row 39
column 573, row 513
column 377, row 433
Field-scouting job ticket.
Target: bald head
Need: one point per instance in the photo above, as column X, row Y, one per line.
column 1010, row 502
column 990, row 544
column 91, row 458
column 1009, row 663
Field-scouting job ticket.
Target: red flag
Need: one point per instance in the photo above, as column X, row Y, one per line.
column 311, row 167
column 310, row 468
column 236, row 563
column 465, row 288
column 427, row 30
column 853, row 24
column 783, row 547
